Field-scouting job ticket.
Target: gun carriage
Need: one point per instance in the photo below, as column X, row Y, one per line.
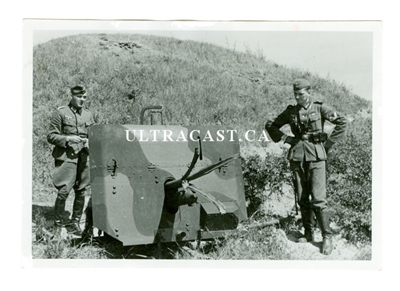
column 164, row 183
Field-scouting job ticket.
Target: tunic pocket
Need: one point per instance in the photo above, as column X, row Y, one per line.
column 69, row 122
column 69, row 126
column 296, row 153
column 321, row 154
column 315, row 121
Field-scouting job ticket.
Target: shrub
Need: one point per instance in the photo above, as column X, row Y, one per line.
column 264, row 176
column 350, row 182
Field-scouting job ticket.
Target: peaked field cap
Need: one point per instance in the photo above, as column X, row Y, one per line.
column 299, row 84
column 78, row 89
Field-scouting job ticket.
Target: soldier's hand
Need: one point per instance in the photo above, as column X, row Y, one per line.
column 328, row 144
column 327, row 149
column 291, row 140
column 74, row 139
column 85, row 142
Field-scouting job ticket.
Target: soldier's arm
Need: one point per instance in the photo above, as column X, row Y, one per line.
column 55, row 135
column 340, row 122
column 91, row 122
column 92, row 119
column 273, row 127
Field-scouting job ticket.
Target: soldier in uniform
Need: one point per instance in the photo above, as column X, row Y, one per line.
column 69, row 133
column 308, row 154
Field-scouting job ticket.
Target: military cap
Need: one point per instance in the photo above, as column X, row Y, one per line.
column 299, row 84
column 78, row 89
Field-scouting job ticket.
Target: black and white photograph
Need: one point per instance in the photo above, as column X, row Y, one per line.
column 201, row 140
column 199, row 145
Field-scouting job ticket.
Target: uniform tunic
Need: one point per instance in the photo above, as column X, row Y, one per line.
column 307, row 153
column 71, row 160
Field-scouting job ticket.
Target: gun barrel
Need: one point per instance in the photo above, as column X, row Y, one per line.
column 174, row 184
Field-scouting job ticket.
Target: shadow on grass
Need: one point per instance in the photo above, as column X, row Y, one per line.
column 44, row 215
column 294, row 235
column 103, row 246
column 113, row 249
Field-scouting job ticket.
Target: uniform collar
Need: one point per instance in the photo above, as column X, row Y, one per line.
column 307, row 106
column 75, row 110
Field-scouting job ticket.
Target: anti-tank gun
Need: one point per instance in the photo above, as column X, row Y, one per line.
column 162, row 183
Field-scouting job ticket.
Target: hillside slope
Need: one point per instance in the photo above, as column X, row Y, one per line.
column 197, row 83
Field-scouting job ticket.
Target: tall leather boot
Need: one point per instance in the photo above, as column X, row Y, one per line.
column 307, row 216
column 323, row 220
column 59, row 209
column 77, row 210
column 88, row 231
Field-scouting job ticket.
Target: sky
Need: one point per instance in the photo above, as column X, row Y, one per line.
column 345, row 56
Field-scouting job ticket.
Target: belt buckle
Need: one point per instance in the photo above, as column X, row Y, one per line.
column 315, row 137
column 324, row 136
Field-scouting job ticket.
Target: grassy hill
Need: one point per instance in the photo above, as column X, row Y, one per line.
column 198, row 84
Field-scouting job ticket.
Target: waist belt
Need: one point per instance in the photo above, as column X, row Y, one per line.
column 315, row 137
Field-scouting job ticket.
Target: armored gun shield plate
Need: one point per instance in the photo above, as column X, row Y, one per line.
column 131, row 166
